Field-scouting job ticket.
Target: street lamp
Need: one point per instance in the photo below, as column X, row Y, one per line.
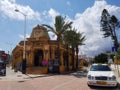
column 24, row 47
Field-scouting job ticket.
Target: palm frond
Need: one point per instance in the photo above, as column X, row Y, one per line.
column 50, row 29
column 66, row 27
column 48, row 26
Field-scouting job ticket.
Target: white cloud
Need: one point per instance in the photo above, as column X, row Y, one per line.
column 22, row 36
column 68, row 3
column 0, row 49
column 7, row 9
column 52, row 36
column 13, row 1
column 89, row 23
column 53, row 13
column 27, row 35
column 49, row 16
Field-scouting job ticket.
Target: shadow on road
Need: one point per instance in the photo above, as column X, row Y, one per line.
column 39, row 76
column 21, row 81
column 118, row 86
column 79, row 73
column 105, row 88
column 76, row 74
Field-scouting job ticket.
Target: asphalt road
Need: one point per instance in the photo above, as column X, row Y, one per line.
column 72, row 81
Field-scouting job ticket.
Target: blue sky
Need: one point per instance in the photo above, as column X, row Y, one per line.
column 85, row 15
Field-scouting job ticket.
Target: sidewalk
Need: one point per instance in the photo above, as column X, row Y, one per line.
column 17, row 76
column 117, row 76
column 116, row 72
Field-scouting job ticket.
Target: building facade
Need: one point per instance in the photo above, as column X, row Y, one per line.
column 41, row 54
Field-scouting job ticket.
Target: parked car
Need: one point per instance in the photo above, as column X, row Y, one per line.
column 101, row 75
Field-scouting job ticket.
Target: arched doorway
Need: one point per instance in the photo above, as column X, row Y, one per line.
column 38, row 57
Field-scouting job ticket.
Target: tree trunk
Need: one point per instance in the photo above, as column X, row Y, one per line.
column 67, row 57
column 58, row 53
column 50, row 52
column 58, row 50
column 77, row 57
column 73, row 68
column 116, row 44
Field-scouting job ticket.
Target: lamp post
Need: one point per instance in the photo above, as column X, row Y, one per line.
column 24, row 47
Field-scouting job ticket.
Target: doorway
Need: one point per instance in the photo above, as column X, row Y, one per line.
column 38, row 57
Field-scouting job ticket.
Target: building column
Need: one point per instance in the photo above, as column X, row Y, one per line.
column 31, row 59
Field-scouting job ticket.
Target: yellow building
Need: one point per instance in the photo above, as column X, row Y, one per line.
column 39, row 47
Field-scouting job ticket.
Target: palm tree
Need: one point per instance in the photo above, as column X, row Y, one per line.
column 59, row 28
column 79, row 41
column 109, row 25
column 114, row 24
column 74, row 39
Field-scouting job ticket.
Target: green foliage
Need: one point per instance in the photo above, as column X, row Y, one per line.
column 74, row 39
column 60, row 26
column 112, row 56
column 105, row 27
column 85, row 63
column 118, row 54
column 108, row 26
column 101, row 58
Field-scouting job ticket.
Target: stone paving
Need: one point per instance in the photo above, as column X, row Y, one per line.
column 114, row 68
column 15, row 76
column 70, row 81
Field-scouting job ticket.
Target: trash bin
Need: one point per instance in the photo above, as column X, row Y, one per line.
column 50, row 65
column 56, row 66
